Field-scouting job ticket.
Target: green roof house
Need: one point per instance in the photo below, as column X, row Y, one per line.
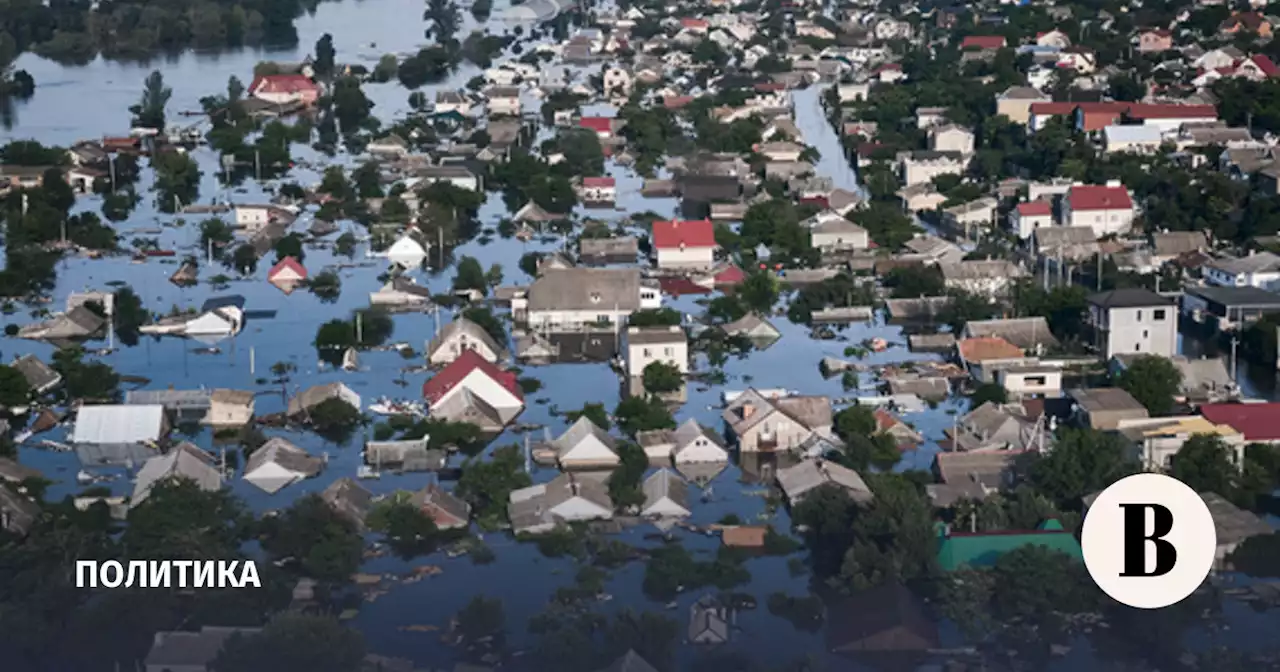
column 982, row 549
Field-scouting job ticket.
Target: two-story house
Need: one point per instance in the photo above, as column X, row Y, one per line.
column 1107, row 209
column 922, row 166
column 761, row 423
column 1029, row 216
column 684, row 244
column 503, row 101
column 1133, row 321
column 647, row 345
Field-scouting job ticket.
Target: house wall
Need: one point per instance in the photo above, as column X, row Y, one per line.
column 858, row 240
column 574, row 319
column 642, row 355
column 1018, row 110
column 1263, row 280
column 689, row 257
column 700, row 451
column 1103, row 222
column 599, row 194
column 1025, row 226
column 470, row 183
column 577, row 508
column 230, row 415
column 458, row 343
column 916, row 172
column 777, row 432
column 1042, row 383
column 1150, row 331
column 507, row 106
column 952, row 141
column 252, row 219
column 1157, row 453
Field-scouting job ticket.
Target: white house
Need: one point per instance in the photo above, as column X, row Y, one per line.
column 230, row 408
column 452, row 101
column 585, row 446
column 684, row 244
column 830, row 231
column 696, row 444
column 951, row 138
column 599, row 189
column 471, row 373
column 1107, row 209
column 459, row 336
column 1031, row 380
column 1258, row 269
column 253, row 218
column 1135, row 321
column 981, row 276
column 646, row 345
column 1029, row 216
column 407, row 251
column 503, row 101
column 570, row 298
column 1132, row 138
column 458, row 176
column 922, row 166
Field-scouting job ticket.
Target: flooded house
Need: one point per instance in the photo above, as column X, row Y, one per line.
column 471, row 376
column 287, row 275
column 760, row 423
column 693, row 443
column 184, row 461
column 684, row 245
column 76, row 324
column 350, row 500
column 118, row 434
column 230, row 408
column 401, row 292
column 567, row 498
column 586, row 446
column 610, row 250
column 710, row 621
column 279, row 463
column 459, row 336
column 405, row 455
column 182, row 405
column 973, row 476
column 797, row 481
column 40, row 377
column 650, row 345
column 573, row 299
column 441, row 506
column 753, row 327
column 313, row 396
column 666, row 495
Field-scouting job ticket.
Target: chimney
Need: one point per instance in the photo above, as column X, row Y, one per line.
column 748, row 410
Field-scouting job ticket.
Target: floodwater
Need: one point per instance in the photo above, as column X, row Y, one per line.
column 520, row 576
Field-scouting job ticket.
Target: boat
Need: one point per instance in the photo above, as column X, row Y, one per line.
column 365, row 471
column 388, row 406
column 350, row 362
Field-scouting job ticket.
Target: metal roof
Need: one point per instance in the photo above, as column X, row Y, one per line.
column 118, row 423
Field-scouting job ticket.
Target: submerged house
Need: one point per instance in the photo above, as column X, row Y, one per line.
column 801, row 479
column 118, row 434
column 567, row 498
column 77, row 323
column 279, row 463
column 470, row 378
column 184, row 461
column 760, row 423
column 349, row 499
column 441, row 506
column 585, row 446
column 666, row 495
column 982, row 549
column 313, row 396
column 459, row 336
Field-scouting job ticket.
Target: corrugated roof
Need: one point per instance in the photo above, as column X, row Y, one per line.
column 118, row 423
column 984, row 548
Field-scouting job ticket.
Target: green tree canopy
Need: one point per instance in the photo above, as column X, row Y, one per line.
column 661, row 377
column 1082, row 462
column 324, row 545
column 294, row 642
column 1154, row 381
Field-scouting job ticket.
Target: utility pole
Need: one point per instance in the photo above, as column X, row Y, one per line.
column 359, row 328
column 440, row 244
column 1235, row 340
column 257, row 165
column 253, row 369
column 209, row 251
column 1099, row 269
column 111, row 164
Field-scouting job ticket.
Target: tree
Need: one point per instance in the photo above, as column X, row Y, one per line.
column 325, row 53
column 759, row 291
column 444, row 18
column 290, row 246
column 1154, row 381
column 14, row 390
column 487, row 484
column 149, row 112
column 85, row 380
column 986, row 392
column 826, row 514
column 408, row 530
column 493, row 276
column 470, row 276
column 482, row 621
column 293, row 641
column 660, row 377
column 654, row 317
column 1082, row 462
column 324, row 545
column 178, row 520
column 596, row 413
column 1206, row 464
column 350, row 106
column 625, row 481
column 893, row 537
column 638, row 414
column 327, row 285
column 529, row 263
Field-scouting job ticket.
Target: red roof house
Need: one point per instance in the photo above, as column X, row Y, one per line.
column 685, row 243
column 1036, row 208
column 603, row 126
column 599, row 182
column 473, row 376
column 1257, row 422
column 284, row 89
column 695, row 24
column 287, row 274
column 1090, row 197
column 983, row 42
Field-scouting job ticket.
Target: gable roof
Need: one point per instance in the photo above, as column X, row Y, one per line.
column 286, row 263
column 439, row 501
column 281, row 84
column 982, row 549
column 984, row 348
column 439, row 385
column 184, row 461
column 677, row 234
column 462, row 326
column 983, row 42
column 1085, row 197
column 578, row 432
column 586, row 289
column 1257, row 422
column 285, row 453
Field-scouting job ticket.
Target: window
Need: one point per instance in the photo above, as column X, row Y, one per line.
column 1038, row 381
column 1139, row 315
column 1145, row 334
column 1137, row 347
column 666, row 352
column 602, row 318
column 646, row 353
column 1158, row 316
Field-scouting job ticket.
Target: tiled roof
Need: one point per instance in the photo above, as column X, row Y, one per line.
column 676, row 233
column 983, row 42
column 1096, row 197
column 1257, row 422
column 1038, row 208
column 440, row 384
column 988, row 347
